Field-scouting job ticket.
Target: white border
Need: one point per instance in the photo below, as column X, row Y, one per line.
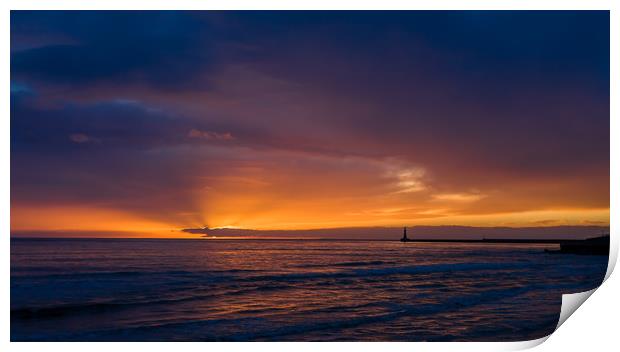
column 313, row 5
column 583, row 333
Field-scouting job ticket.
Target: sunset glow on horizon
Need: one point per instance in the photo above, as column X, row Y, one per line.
column 280, row 120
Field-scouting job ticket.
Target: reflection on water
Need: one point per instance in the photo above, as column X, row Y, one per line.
column 185, row 290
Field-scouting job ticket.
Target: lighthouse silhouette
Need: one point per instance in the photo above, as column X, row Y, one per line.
column 405, row 239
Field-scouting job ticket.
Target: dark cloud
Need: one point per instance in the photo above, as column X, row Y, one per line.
column 143, row 110
column 163, row 49
column 112, row 125
column 419, row 232
column 119, row 154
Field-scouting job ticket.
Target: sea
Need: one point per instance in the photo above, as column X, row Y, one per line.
column 289, row 290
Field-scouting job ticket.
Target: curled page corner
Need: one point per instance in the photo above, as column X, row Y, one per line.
column 570, row 303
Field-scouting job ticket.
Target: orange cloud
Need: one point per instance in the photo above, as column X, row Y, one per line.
column 208, row 135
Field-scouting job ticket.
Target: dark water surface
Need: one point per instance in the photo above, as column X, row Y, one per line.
column 206, row 290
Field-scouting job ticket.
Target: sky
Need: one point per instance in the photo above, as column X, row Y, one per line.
column 146, row 123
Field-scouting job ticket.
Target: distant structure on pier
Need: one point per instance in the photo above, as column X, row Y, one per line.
column 405, row 238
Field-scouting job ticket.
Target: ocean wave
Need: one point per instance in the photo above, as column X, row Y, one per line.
column 260, row 328
column 50, row 311
column 96, row 274
column 220, row 283
column 345, row 264
column 388, row 271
